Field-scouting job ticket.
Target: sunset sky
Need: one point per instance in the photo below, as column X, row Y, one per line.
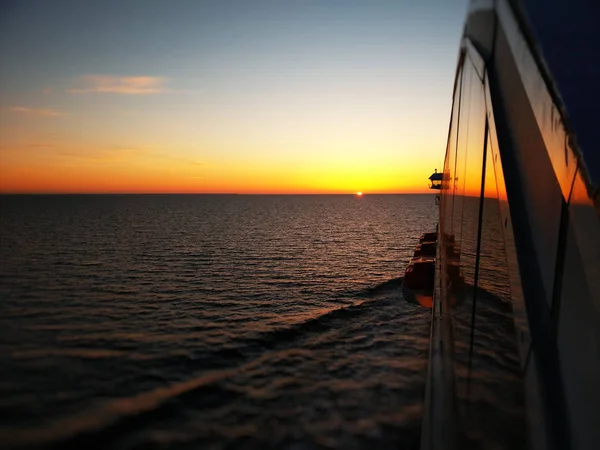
column 294, row 96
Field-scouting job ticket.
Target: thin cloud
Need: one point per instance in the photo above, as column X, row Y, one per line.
column 120, row 85
column 101, row 154
column 37, row 111
column 119, row 152
column 42, row 145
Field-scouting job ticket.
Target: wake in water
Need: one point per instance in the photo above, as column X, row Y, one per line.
column 349, row 377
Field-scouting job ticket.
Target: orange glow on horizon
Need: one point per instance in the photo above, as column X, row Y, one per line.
column 287, row 154
column 67, row 180
column 66, row 171
column 53, row 157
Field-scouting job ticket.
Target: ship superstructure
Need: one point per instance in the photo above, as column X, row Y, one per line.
column 515, row 350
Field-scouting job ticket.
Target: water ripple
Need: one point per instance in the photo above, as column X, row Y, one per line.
column 221, row 321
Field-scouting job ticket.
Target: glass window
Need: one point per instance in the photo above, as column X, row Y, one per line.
column 516, row 292
column 495, row 387
column 482, row 281
column 448, row 174
column 457, row 181
column 467, row 188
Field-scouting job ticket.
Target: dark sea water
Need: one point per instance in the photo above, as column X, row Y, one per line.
column 210, row 321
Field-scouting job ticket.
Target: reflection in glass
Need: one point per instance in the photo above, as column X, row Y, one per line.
column 448, row 256
column 516, row 292
column 448, row 174
column 458, row 181
column 468, row 175
column 495, row 386
column 478, row 286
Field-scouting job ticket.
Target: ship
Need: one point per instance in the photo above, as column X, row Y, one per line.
column 512, row 273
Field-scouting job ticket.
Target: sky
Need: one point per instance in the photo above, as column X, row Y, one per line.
column 294, row 96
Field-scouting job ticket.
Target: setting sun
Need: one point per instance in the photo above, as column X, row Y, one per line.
column 359, row 194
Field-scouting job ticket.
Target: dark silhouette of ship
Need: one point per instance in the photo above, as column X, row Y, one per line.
column 513, row 272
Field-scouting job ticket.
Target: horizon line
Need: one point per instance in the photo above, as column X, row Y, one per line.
column 214, row 193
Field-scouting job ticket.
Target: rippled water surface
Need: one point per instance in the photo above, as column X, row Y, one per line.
column 210, row 321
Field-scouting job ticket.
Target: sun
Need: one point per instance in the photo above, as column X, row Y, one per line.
column 359, row 194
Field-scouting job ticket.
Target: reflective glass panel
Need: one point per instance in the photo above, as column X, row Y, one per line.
column 516, row 292
column 468, row 175
column 494, row 405
column 458, row 182
column 447, row 193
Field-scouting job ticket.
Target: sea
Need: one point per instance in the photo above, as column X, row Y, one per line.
column 211, row 321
